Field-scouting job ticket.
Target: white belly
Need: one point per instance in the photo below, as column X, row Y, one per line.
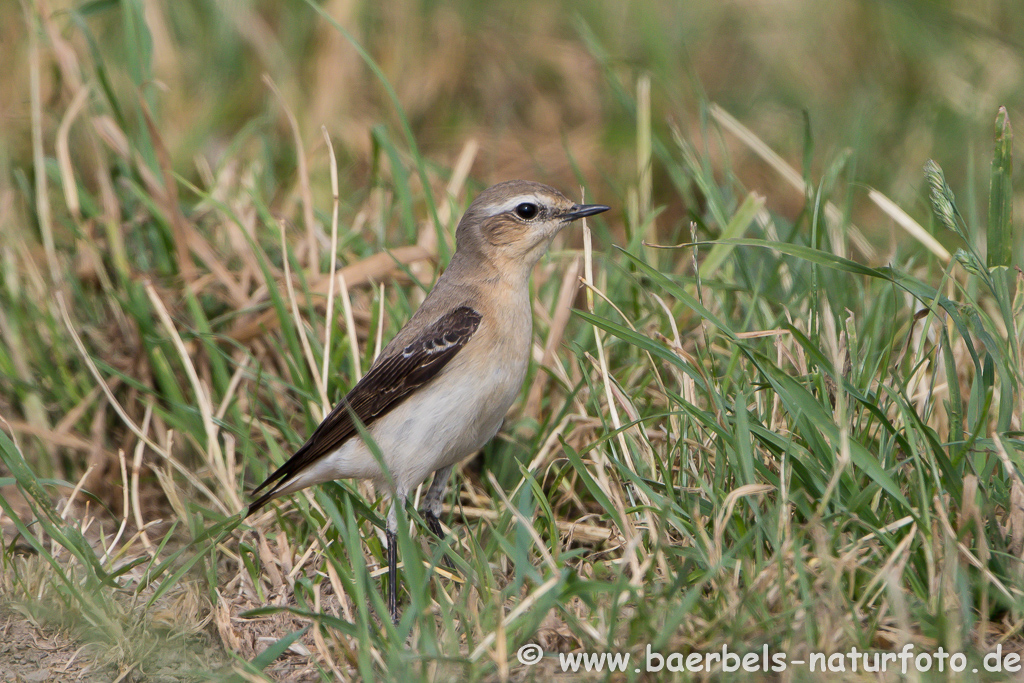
column 447, row 420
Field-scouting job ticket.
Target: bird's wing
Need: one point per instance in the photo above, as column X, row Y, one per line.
column 388, row 383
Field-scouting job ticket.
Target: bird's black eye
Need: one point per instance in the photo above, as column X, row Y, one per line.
column 526, row 211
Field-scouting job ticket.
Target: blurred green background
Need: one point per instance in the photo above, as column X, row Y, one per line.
column 540, row 85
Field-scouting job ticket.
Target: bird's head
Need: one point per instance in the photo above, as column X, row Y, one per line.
column 511, row 224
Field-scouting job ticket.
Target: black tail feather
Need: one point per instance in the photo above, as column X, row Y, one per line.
column 277, row 480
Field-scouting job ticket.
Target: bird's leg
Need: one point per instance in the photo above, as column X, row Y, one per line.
column 392, row 540
column 431, row 510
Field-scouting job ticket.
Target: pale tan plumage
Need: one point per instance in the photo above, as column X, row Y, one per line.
column 440, row 388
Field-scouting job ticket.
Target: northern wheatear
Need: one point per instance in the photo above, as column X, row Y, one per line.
column 440, row 389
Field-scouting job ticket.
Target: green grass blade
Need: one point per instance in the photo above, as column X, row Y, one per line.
column 1000, row 233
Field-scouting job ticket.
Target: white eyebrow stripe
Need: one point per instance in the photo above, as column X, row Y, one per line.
column 513, row 202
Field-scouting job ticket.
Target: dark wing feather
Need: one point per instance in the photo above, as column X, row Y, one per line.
column 386, row 385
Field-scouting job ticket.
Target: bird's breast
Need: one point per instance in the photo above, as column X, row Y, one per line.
column 457, row 412
column 470, row 397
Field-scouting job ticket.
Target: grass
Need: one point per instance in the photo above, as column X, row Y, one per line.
column 746, row 427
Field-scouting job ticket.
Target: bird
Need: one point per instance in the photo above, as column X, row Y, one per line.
column 440, row 389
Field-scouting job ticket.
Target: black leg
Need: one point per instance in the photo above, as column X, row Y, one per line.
column 392, row 575
column 434, row 524
column 432, row 507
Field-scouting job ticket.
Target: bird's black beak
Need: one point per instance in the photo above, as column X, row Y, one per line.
column 584, row 210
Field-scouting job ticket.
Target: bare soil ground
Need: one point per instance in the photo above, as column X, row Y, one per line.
column 31, row 654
